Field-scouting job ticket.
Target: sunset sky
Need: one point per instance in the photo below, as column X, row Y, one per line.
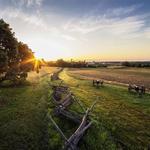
column 81, row 29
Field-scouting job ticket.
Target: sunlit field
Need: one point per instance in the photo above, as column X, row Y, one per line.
column 124, row 75
column 22, row 113
column 122, row 118
column 34, row 77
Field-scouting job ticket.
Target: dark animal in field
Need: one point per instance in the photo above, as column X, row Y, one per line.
column 138, row 89
column 98, row 82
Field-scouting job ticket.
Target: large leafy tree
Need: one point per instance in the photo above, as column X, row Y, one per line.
column 8, row 47
column 26, row 57
column 16, row 58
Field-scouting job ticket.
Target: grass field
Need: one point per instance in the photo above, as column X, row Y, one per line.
column 121, row 119
column 121, row 75
column 124, row 117
column 22, row 114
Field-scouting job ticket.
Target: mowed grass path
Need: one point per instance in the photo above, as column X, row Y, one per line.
column 23, row 124
column 125, row 115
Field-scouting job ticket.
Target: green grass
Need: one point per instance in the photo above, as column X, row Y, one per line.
column 121, row 119
column 23, row 122
column 123, row 116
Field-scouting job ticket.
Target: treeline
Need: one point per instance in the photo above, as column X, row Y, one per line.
column 136, row 64
column 16, row 58
column 94, row 64
column 63, row 63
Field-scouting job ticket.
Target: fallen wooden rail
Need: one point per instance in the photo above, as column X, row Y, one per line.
column 71, row 143
column 61, row 109
column 55, row 75
column 56, row 97
column 69, row 115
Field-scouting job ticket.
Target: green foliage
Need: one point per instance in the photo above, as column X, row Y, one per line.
column 26, row 57
column 16, row 58
column 136, row 64
column 3, row 60
column 8, row 47
column 63, row 63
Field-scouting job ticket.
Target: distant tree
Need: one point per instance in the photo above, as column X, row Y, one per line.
column 61, row 63
column 126, row 63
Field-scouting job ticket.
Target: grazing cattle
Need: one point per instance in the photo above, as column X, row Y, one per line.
column 138, row 89
column 98, row 82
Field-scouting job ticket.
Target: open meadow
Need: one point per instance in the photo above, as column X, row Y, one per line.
column 120, row 119
column 125, row 75
column 22, row 113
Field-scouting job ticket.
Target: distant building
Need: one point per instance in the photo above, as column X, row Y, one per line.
column 95, row 64
column 92, row 64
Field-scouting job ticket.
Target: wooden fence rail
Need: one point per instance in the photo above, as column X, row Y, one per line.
column 61, row 109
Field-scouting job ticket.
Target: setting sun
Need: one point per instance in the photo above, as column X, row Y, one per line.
column 118, row 32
